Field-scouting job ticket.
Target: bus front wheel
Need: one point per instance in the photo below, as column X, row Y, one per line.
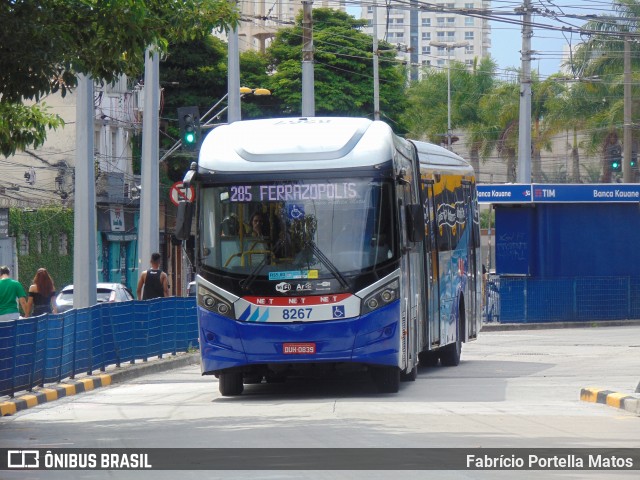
column 387, row 379
column 230, row 384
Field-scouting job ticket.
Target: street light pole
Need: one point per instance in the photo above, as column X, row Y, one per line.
column 449, row 46
column 449, row 98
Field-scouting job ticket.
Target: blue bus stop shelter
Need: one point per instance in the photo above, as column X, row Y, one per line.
column 566, row 252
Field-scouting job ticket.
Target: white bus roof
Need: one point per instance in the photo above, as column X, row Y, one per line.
column 284, row 144
column 436, row 156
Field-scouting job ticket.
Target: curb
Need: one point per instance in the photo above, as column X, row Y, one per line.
column 622, row 401
column 42, row 395
column 504, row 327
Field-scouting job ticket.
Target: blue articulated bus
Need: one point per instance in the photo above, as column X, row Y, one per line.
column 330, row 243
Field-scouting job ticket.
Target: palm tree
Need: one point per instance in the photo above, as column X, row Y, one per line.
column 475, row 85
column 425, row 118
column 498, row 113
column 542, row 98
column 601, row 58
column 427, row 114
column 574, row 110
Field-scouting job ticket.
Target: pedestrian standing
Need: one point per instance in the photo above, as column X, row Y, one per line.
column 42, row 294
column 11, row 292
column 153, row 283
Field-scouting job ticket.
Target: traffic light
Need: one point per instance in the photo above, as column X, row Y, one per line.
column 189, row 120
column 615, row 158
column 634, row 159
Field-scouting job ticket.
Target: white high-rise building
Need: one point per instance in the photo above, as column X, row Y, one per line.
column 418, row 32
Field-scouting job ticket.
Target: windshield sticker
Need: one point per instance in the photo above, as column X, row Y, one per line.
column 293, row 275
column 283, row 287
column 295, row 211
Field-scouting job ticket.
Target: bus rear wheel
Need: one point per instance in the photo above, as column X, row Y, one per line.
column 387, row 379
column 230, row 384
column 450, row 356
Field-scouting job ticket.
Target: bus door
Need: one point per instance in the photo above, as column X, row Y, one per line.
column 410, row 277
column 431, row 283
column 471, row 300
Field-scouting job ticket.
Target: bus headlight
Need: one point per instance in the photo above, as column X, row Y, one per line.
column 213, row 302
column 381, row 297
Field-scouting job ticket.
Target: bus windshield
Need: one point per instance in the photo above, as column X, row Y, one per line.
column 320, row 228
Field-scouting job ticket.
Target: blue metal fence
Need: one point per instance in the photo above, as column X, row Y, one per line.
column 520, row 299
column 50, row 348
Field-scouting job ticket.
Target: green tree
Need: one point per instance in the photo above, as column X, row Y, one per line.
column 573, row 110
column 343, row 68
column 600, row 60
column 193, row 72
column 499, row 114
column 543, row 96
column 44, row 44
column 254, row 73
column 426, row 115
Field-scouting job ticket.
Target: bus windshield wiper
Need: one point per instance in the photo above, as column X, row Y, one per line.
column 327, row 263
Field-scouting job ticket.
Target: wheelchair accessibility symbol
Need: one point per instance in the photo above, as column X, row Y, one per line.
column 295, row 212
column 338, row 311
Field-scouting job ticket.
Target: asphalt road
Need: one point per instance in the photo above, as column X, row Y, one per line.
column 513, row 389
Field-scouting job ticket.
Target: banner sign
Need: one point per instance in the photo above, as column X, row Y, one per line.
column 504, row 193
column 559, row 193
column 560, row 459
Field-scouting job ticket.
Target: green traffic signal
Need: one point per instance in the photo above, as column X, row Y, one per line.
column 189, row 136
column 189, row 119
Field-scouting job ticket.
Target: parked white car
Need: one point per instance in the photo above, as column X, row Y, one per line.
column 106, row 292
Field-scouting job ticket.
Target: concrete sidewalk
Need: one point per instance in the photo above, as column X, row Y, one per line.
column 80, row 384
column 623, row 401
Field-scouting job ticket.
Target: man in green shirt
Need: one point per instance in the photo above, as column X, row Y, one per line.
column 10, row 291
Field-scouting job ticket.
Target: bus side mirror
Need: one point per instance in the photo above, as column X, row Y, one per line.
column 183, row 220
column 415, row 222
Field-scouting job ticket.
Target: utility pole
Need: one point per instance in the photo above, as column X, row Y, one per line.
column 308, row 94
column 84, row 208
column 524, row 131
column 234, row 112
column 627, row 172
column 376, row 74
column 149, row 227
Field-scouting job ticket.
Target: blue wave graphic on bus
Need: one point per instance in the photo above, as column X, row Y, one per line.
column 247, row 316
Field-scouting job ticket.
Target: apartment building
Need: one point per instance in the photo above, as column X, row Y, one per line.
column 431, row 34
column 260, row 20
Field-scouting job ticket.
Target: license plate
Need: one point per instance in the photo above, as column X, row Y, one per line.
column 298, row 348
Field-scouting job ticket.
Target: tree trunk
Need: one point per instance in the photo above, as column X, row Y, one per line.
column 511, row 167
column 474, row 155
column 575, row 158
column 536, row 165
